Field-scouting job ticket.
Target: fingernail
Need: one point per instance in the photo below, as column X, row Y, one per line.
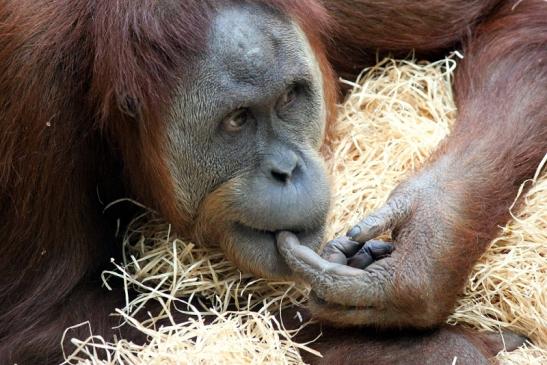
column 354, row 232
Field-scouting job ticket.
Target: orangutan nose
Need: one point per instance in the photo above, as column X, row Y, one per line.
column 281, row 166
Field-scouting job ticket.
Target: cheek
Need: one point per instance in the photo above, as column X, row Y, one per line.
column 200, row 163
column 315, row 126
column 212, row 226
column 318, row 107
column 183, row 171
column 315, row 111
column 319, row 125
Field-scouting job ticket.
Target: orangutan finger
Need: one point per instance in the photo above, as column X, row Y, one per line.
column 370, row 252
column 339, row 249
column 306, row 262
column 389, row 216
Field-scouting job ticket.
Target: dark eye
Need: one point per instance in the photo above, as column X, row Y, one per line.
column 235, row 121
column 288, row 96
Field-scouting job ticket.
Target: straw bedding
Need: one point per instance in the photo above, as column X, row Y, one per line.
column 396, row 114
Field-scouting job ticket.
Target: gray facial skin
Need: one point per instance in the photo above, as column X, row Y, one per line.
column 251, row 111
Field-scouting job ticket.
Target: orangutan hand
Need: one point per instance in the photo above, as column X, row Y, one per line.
column 360, row 281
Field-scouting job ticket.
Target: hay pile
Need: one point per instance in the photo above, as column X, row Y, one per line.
column 396, row 115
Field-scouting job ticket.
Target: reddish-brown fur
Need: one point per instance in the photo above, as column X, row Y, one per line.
column 84, row 86
column 427, row 27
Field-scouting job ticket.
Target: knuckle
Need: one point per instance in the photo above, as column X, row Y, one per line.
column 370, row 223
column 398, row 203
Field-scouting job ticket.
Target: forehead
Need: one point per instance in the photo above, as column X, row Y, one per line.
column 256, row 45
column 252, row 53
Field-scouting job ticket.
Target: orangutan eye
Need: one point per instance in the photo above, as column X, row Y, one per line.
column 288, row 96
column 235, row 121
